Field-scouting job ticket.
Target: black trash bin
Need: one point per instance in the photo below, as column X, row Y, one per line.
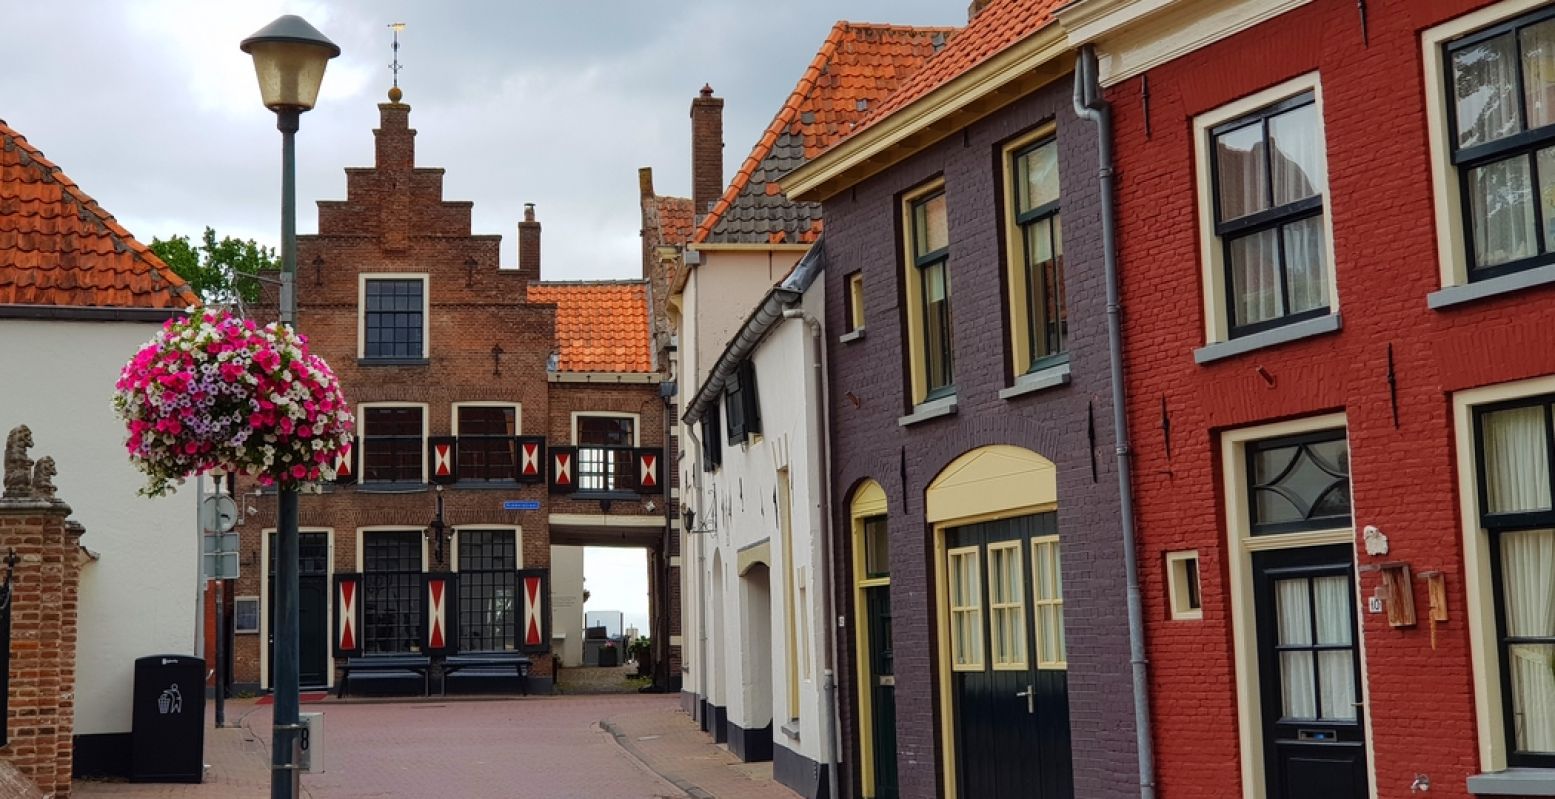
column 168, row 717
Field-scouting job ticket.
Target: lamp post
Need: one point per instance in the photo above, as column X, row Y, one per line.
column 289, row 59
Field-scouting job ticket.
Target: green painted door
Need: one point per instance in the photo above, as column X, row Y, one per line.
column 882, row 689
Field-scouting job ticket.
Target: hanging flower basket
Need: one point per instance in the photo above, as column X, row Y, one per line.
column 214, row 391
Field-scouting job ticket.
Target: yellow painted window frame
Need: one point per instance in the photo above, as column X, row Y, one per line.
column 869, row 502
column 790, row 583
column 917, row 355
column 1177, row 592
column 1039, row 602
column 955, row 575
column 1015, row 251
column 1011, row 610
column 856, row 301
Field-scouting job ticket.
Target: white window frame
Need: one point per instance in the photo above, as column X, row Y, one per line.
column 359, row 442
column 1212, row 270
column 361, row 309
column 637, row 423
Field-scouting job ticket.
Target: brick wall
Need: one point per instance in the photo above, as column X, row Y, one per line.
column 862, row 233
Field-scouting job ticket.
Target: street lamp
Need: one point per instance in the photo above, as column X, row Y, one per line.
column 289, row 59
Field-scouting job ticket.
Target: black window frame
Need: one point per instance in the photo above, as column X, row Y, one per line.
column 399, row 444
column 922, row 263
column 393, row 350
column 605, row 467
column 1494, row 525
column 1250, row 453
column 1526, row 143
column 1274, row 218
column 475, row 448
column 1025, row 222
column 481, row 576
column 742, row 404
column 406, row 620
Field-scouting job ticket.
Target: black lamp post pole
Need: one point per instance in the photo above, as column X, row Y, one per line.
column 284, row 775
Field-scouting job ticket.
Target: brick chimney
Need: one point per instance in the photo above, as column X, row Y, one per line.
column 707, row 151
column 529, row 244
column 645, row 182
column 976, row 8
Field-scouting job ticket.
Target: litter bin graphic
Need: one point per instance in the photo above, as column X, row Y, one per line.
column 168, row 717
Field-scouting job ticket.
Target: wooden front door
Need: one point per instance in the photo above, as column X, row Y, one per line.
column 1009, row 686
column 882, row 688
column 1309, row 672
column 312, row 608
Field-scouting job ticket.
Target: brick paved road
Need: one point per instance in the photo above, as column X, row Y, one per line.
column 532, row 748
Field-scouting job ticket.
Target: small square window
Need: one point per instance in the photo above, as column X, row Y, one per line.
column 245, row 614
column 1182, row 585
column 856, row 301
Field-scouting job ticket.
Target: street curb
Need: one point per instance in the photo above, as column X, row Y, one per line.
column 626, row 745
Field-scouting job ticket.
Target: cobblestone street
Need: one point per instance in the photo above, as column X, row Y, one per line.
column 532, row 748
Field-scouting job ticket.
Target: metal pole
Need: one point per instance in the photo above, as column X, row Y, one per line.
column 221, row 657
column 284, row 773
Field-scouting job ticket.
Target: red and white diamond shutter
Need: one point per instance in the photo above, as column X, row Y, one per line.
column 650, row 470
column 564, row 470
column 534, row 624
column 443, row 457
column 345, row 463
column 348, row 615
column 441, row 594
column 531, row 459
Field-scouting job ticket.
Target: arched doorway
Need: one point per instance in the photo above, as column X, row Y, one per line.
column 1003, row 679
column 873, row 653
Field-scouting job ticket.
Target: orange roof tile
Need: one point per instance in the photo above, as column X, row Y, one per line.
column 59, row 247
column 858, row 66
column 677, row 219
column 601, row 326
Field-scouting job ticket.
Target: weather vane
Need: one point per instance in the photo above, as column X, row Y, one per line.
column 394, row 92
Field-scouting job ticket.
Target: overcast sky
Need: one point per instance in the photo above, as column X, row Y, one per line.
column 152, row 109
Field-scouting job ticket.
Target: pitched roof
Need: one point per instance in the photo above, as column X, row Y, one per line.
column 998, row 26
column 858, row 66
column 677, row 219
column 59, row 247
column 601, row 326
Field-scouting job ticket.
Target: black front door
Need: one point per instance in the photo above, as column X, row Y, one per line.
column 312, row 608
column 1309, row 673
column 882, row 687
column 1008, row 679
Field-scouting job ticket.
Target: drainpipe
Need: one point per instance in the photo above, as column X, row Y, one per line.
column 821, row 520
column 703, row 686
column 1088, row 104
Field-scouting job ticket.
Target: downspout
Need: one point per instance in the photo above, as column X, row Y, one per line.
column 821, row 521
column 1088, row 104
column 703, row 685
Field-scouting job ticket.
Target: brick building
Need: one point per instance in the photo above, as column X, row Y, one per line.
column 1341, row 439
column 972, row 461
column 496, row 416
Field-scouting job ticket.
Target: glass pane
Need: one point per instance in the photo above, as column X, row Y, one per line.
column 1052, row 621
column 1532, row 668
column 1484, row 79
column 1538, row 42
column 1239, row 163
column 1296, row 155
column 1046, row 321
column 1516, row 459
column 1296, row 695
column 1334, row 617
column 1255, row 278
column 1501, row 207
column 1336, row 675
column 936, row 325
column 1293, row 611
column 1546, row 165
column 931, row 229
column 1306, row 277
column 1528, row 583
column 1037, row 177
column 877, row 547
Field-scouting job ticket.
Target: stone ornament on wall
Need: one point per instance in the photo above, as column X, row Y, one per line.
column 23, row 478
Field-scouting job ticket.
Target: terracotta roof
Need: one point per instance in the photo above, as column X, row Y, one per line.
column 998, row 26
column 59, row 247
column 858, row 66
column 677, row 219
column 601, row 326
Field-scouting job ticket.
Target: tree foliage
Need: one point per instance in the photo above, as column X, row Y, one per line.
column 221, row 272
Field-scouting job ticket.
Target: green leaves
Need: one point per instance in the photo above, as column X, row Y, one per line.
column 221, row 272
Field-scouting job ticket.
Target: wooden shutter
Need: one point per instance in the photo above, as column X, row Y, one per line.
column 441, row 590
column 443, row 455
column 531, row 462
column 534, row 623
column 564, row 470
column 650, row 469
column 348, row 615
column 345, row 463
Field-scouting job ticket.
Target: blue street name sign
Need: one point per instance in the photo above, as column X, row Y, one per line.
column 520, row 504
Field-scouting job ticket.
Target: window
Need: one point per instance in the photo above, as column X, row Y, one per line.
column 393, row 444
column 712, row 439
column 966, row 609
column 877, row 548
column 391, row 591
column 245, row 614
column 1299, row 483
column 855, row 301
column 1047, row 597
column 742, row 406
column 605, row 461
column 394, row 317
column 1182, row 586
column 1006, row 606
column 488, row 585
column 488, row 449
column 1039, row 322
column 1501, row 131
column 1514, row 456
column 928, row 294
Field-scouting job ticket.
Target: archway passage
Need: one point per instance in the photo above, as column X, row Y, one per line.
column 1003, row 667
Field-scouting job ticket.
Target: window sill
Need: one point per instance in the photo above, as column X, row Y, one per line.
column 1056, row 375
column 392, row 488
column 791, row 730
column 1267, row 338
column 1448, row 296
column 486, row 485
column 1514, row 782
column 933, row 409
column 852, row 335
column 606, row 496
column 393, row 361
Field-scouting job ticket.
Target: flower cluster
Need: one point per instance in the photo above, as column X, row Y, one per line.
column 214, row 391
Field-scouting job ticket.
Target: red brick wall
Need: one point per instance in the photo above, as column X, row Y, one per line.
column 1404, row 477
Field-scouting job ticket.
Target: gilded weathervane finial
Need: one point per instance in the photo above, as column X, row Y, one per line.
column 394, row 91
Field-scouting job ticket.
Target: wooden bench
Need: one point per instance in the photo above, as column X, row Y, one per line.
column 491, row 661
column 398, row 665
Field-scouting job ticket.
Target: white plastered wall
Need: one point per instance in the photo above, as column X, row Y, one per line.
column 567, row 603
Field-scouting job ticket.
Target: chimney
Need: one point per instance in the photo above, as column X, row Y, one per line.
column 707, row 151
column 645, row 182
column 976, row 8
column 529, row 244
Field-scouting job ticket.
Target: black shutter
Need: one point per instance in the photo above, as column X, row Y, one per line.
column 564, row 469
column 440, row 628
column 534, row 606
column 712, row 443
column 752, row 402
column 650, row 469
column 443, row 459
column 531, row 465
column 348, row 614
